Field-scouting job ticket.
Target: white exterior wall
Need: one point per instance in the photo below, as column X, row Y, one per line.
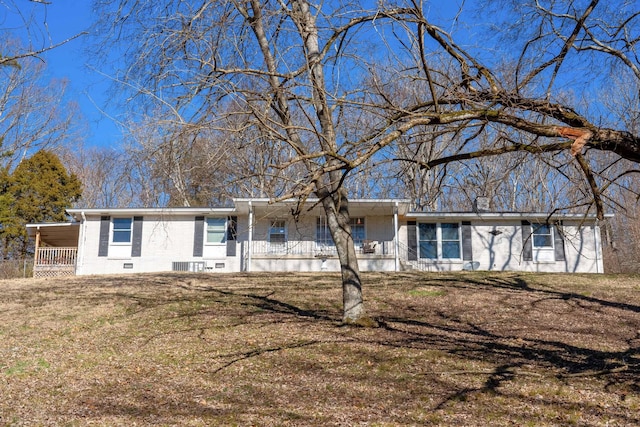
column 168, row 238
column 165, row 239
column 379, row 228
column 504, row 251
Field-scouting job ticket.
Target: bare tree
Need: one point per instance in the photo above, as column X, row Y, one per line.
column 33, row 115
column 104, row 174
column 33, row 112
column 30, row 19
column 319, row 79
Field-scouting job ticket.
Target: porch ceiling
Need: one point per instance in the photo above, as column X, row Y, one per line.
column 56, row 235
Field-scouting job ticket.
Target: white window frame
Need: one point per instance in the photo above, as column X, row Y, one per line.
column 323, row 224
column 546, row 253
column 358, row 221
column 324, row 241
column 114, row 230
column 208, row 227
column 535, row 228
column 278, row 246
column 439, row 241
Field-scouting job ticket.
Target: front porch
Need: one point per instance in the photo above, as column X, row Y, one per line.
column 262, row 248
column 308, row 255
column 56, row 249
column 55, row 262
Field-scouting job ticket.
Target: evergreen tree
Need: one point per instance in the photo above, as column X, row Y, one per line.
column 8, row 221
column 39, row 190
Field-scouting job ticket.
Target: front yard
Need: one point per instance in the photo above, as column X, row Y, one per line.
column 473, row 349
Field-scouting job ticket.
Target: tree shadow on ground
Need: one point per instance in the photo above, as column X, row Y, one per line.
column 513, row 356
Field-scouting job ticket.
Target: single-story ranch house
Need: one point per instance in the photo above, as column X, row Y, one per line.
column 256, row 235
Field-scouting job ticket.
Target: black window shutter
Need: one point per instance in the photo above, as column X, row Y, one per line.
column 103, row 245
column 527, row 242
column 559, row 242
column 198, row 236
column 412, row 241
column 467, row 249
column 136, row 240
column 232, row 229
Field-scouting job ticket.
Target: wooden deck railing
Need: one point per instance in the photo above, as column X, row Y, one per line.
column 51, row 262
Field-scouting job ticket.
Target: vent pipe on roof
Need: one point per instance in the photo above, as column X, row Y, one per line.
column 481, row 204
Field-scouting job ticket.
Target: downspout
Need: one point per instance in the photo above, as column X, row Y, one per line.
column 596, row 245
column 395, row 238
column 81, row 241
column 248, row 267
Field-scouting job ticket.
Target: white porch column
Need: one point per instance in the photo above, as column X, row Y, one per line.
column 395, row 237
column 250, row 238
column 35, row 254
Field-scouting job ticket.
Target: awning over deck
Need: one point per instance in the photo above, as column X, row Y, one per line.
column 63, row 234
column 56, row 248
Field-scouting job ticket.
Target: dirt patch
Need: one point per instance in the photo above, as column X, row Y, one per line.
column 268, row 349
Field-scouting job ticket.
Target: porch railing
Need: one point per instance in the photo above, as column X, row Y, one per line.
column 51, row 262
column 311, row 248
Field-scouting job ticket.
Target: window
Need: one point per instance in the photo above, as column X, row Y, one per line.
column 278, row 234
column 542, row 236
column 439, row 241
column 121, row 230
column 323, row 234
column 216, row 231
column 357, row 231
column 450, row 241
column 277, row 231
column 428, row 241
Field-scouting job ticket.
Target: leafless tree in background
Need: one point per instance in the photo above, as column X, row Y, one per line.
column 33, row 115
column 320, row 82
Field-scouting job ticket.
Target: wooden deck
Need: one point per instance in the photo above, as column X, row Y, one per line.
column 55, row 262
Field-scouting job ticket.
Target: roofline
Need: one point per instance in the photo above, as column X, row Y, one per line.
column 51, row 224
column 239, row 206
column 164, row 211
column 315, row 199
column 242, row 204
column 503, row 215
column 33, row 228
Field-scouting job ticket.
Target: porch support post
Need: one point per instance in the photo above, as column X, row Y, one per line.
column 250, row 238
column 35, row 254
column 395, row 237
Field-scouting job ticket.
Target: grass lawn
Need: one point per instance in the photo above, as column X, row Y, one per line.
column 463, row 349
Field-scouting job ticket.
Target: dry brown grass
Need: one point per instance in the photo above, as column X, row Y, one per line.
column 472, row 349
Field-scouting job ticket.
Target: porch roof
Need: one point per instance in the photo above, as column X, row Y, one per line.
column 60, row 234
column 357, row 207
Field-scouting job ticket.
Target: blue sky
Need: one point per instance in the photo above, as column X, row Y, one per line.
column 60, row 20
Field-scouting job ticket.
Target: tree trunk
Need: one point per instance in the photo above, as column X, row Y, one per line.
column 336, row 207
